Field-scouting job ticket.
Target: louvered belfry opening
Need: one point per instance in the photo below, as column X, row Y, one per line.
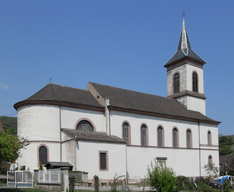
column 176, row 83
column 84, row 126
column 103, row 160
column 126, row 132
column 43, row 155
column 195, row 82
column 160, row 135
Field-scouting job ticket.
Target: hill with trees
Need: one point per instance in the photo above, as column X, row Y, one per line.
column 9, row 123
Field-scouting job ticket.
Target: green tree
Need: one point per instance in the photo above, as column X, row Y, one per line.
column 161, row 177
column 211, row 170
column 9, row 123
column 225, row 144
column 10, row 145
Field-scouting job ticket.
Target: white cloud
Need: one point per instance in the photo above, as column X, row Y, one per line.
column 4, row 86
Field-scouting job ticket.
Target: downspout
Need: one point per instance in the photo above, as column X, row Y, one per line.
column 75, row 150
column 199, row 136
column 60, row 131
column 107, row 115
column 126, row 154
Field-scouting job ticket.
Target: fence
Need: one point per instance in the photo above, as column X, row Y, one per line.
column 135, row 179
column 52, row 176
column 20, row 179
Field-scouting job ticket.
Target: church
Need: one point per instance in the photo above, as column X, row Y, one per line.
column 106, row 130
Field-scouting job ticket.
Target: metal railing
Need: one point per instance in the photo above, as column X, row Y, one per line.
column 49, row 176
column 20, row 179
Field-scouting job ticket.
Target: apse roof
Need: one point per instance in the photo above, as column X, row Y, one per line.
column 53, row 92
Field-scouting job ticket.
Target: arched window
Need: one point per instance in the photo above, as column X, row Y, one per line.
column 176, row 83
column 209, row 138
column 126, row 132
column 175, row 137
column 143, row 135
column 84, row 125
column 189, row 139
column 160, row 136
column 195, row 82
column 43, row 155
column 210, row 160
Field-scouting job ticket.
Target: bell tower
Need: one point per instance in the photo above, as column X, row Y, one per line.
column 185, row 81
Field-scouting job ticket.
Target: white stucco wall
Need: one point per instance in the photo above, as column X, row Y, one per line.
column 30, row 156
column 199, row 71
column 184, row 161
column 193, row 103
column 87, row 158
column 71, row 116
column 40, row 124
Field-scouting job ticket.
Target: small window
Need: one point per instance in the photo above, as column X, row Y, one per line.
column 160, row 136
column 103, row 160
column 189, row 139
column 175, row 137
column 209, row 137
column 126, row 132
column 143, row 135
column 43, row 155
column 84, row 125
column 176, row 83
column 195, row 82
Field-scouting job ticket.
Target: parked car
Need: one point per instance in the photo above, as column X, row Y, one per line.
column 221, row 179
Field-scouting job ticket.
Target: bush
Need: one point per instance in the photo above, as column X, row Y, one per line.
column 71, row 184
column 162, row 178
column 183, row 183
column 204, row 187
column 226, row 185
column 115, row 183
column 96, row 183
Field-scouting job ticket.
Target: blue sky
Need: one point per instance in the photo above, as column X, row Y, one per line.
column 122, row 43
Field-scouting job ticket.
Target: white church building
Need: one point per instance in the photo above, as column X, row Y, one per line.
column 106, row 130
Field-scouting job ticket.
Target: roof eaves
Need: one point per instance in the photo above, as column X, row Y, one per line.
column 163, row 115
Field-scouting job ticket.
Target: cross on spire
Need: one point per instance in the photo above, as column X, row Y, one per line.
column 183, row 14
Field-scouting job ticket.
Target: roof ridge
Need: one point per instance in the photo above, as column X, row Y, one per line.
column 67, row 87
column 131, row 90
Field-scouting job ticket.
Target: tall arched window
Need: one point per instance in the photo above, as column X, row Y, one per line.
column 143, row 135
column 195, row 82
column 176, row 83
column 189, row 138
column 210, row 160
column 43, row 155
column 160, row 136
column 209, row 138
column 84, row 125
column 126, row 132
column 175, row 137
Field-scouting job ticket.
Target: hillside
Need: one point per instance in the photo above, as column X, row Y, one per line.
column 9, row 123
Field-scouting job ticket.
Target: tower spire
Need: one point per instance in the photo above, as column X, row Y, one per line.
column 184, row 49
column 184, row 43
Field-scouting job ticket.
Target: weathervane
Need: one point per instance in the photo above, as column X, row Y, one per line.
column 50, row 80
column 183, row 14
